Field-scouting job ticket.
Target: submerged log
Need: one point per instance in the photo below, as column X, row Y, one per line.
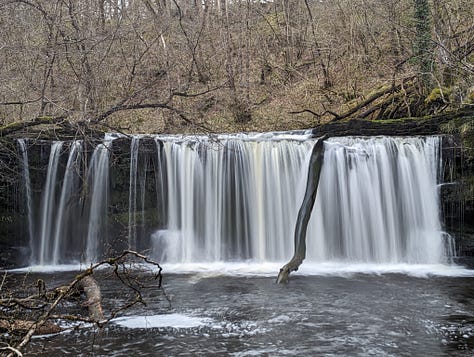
column 304, row 213
column 94, row 301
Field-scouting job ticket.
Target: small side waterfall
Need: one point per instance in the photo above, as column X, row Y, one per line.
column 132, row 198
column 98, row 179
column 235, row 198
column 69, row 187
column 48, row 206
column 27, row 182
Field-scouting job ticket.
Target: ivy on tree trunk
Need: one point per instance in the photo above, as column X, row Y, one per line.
column 423, row 44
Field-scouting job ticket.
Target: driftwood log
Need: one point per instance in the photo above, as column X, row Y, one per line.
column 94, row 300
column 304, row 213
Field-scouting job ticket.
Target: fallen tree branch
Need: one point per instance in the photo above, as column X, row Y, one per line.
column 372, row 98
column 380, row 93
column 11, row 349
column 18, row 326
column 19, row 102
column 124, row 107
column 429, row 125
column 89, row 285
column 21, row 125
column 335, row 115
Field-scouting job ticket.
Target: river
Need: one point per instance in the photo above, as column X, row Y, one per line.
column 343, row 314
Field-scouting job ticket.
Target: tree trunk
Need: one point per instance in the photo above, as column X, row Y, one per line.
column 423, row 44
column 304, row 214
column 92, row 290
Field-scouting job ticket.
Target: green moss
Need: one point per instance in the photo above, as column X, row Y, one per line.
column 439, row 94
column 448, row 128
column 149, row 217
column 9, row 126
column 470, row 58
column 470, row 95
column 464, row 127
column 402, row 120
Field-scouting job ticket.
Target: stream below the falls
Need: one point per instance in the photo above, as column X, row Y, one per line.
column 347, row 314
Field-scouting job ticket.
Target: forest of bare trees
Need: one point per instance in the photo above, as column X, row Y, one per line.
column 222, row 65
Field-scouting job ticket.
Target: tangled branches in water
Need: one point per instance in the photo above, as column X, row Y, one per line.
column 35, row 309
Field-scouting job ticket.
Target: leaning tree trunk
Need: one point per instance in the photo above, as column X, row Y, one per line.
column 304, row 213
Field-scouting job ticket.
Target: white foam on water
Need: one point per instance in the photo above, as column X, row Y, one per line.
column 317, row 269
column 49, row 268
column 271, row 269
column 166, row 320
column 413, row 270
column 211, row 269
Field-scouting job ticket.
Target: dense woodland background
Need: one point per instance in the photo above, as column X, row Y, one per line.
column 222, row 65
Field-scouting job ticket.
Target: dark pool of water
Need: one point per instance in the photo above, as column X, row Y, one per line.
column 361, row 315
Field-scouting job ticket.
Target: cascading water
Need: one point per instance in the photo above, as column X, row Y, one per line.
column 98, row 178
column 132, row 198
column 232, row 199
column 61, row 238
column 69, row 188
column 44, row 253
column 236, row 198
column 27, row 181
column 378, row 202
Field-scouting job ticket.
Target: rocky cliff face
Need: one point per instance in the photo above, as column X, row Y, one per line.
column 457, row 194
column 11, row 211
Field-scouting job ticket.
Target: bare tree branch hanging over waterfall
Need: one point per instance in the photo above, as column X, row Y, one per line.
column 304, row 214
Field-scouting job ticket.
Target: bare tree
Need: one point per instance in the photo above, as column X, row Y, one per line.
column 187, row 64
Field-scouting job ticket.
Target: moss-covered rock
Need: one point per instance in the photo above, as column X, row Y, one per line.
column 439, row 95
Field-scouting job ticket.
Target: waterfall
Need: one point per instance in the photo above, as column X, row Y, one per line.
column 27, row 181
column 132, row 198
column 235, row 198
column 98, row 179
column 68, row 191
column 378, row 202
column 48, row 206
